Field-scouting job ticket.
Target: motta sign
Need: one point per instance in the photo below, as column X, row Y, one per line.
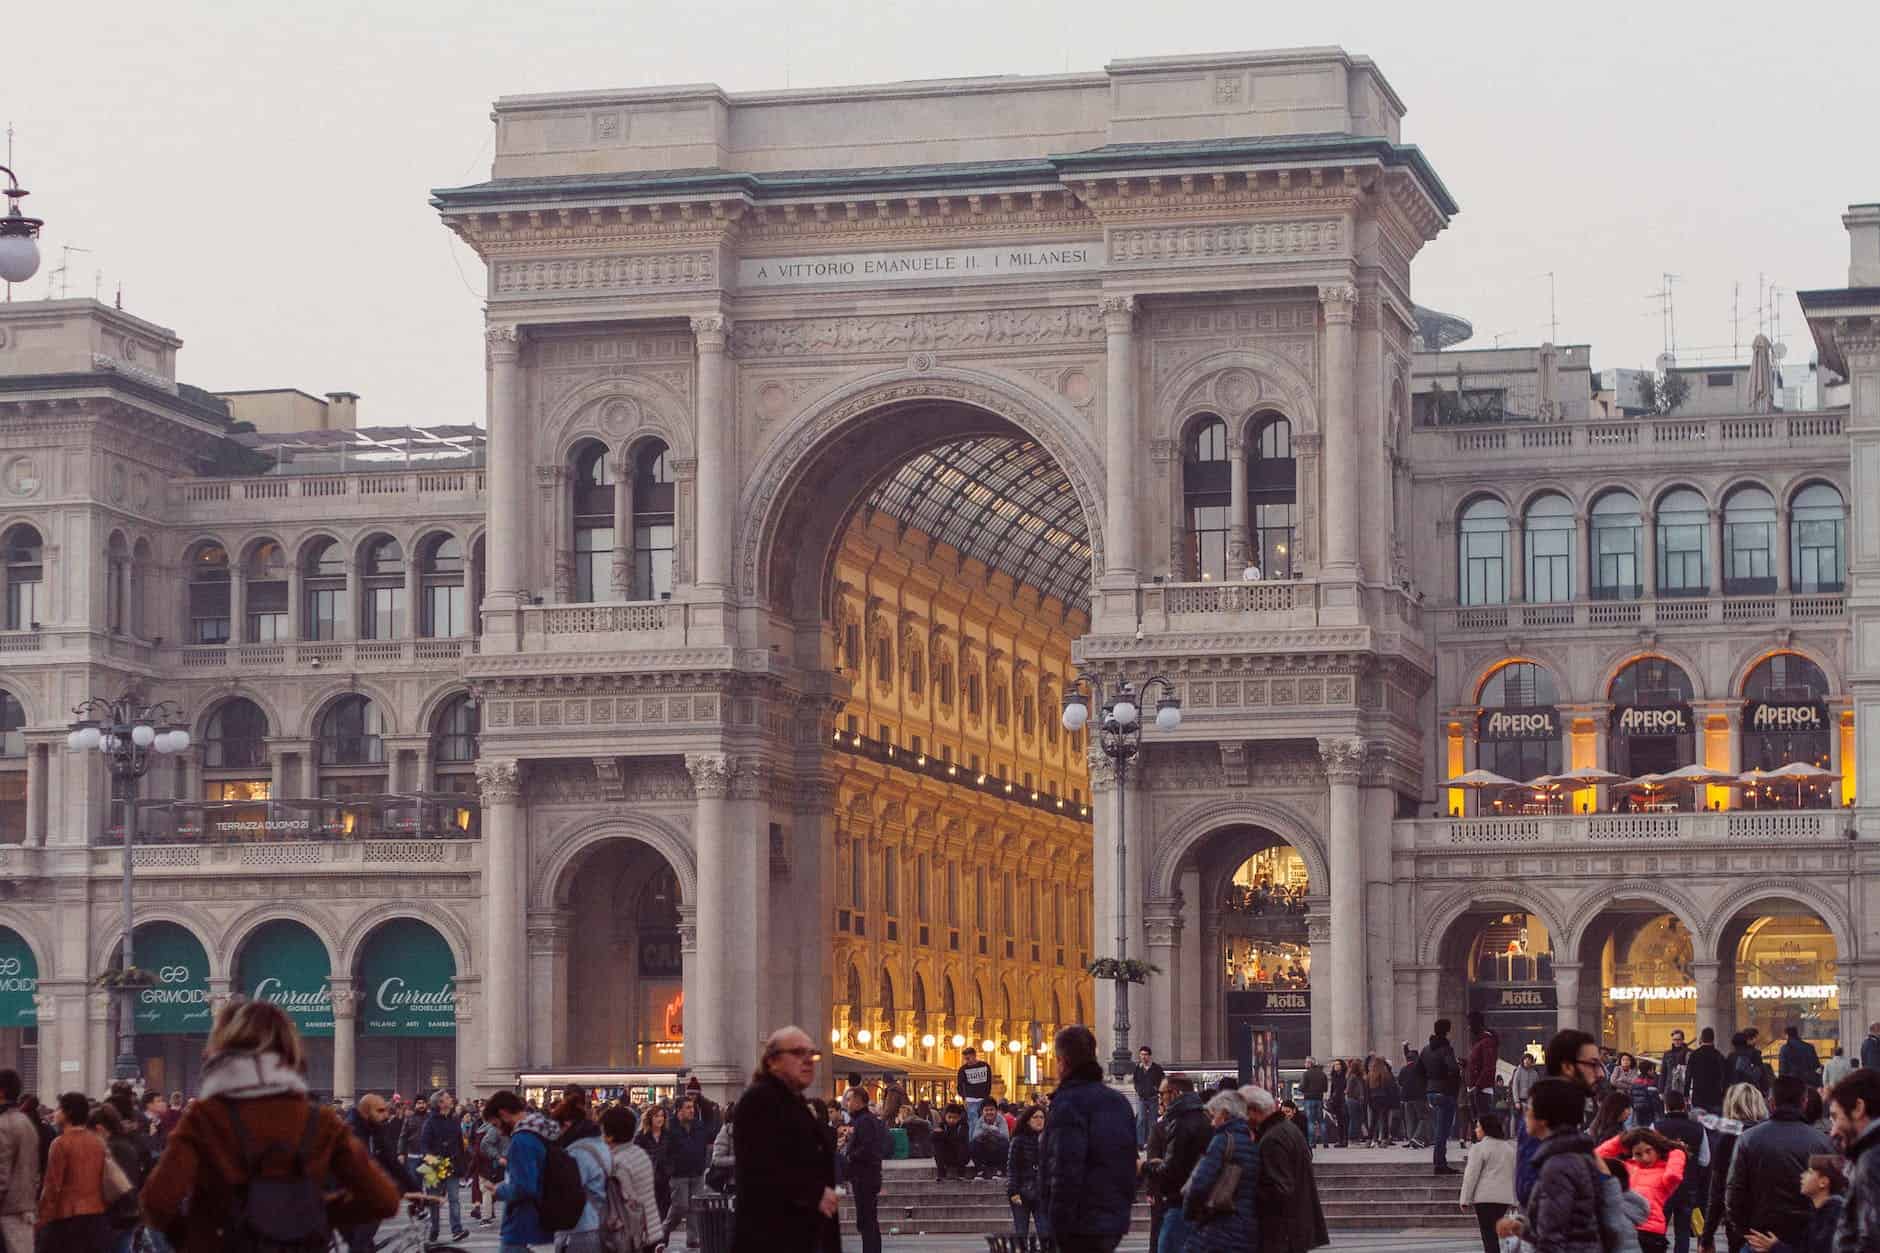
column 1631, row 720
column 918, row 264
column 1519, row 724
column 1774, row 716
column 1285, row 1002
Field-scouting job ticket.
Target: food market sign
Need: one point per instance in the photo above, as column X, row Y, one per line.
column 915, row 265
column 408, row 982
column 1789, row 992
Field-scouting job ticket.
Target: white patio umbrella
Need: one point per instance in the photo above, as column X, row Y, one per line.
column 1802, row 772
column 1587, row 776
column 1479, row 780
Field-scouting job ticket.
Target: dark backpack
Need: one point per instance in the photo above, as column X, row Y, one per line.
column 564, row 1199
column 276, row 1213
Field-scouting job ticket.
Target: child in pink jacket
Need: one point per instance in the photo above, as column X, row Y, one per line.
column 1657, row 1169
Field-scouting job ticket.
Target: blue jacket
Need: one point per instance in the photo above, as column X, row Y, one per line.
column 688, row 1147
column 1087, row 1185
column 861, row 1157
column 521, row 1189
column 1224, row 1232
column 442, row 1136
column 1870, row 1052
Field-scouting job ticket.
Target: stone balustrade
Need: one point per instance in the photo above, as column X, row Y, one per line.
column 1679, row 611
column 1774, row 827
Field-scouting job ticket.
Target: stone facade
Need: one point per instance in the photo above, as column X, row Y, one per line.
column 718, row 324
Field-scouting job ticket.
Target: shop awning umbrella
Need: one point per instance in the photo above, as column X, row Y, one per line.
column 1698, row 775
column 1586, row 776
column 1801, row 773
column 1647, row 782
column 1478, row 779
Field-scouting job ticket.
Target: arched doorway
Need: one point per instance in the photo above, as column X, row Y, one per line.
column 284, row 963
column 1498, row 960
column 19, row 1011
column 937, row 559
column 1779, row 965
column 625, row 998
column 1252, row 895
column 406, row 976
column 171, row 1008
column 1638, row 962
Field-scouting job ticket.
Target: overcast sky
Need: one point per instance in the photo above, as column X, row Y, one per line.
column 256, row 176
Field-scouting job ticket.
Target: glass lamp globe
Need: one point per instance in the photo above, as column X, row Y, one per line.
column 179, row 740
column 926, row 1041
column 143, row 735
column 1168, row 714
column 1016, row 1046
column 1076, row 713
column 899, row 1041
column 835, row 1035
column 1125, row 713
column 19, row 258
column 864, row 1036
column 89, row 737
column 988, row 1046
column 958, row 1041
column 72, row 741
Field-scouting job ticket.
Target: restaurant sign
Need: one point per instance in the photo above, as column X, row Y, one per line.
column 1652, row 992
column 1780, row 716
column 1539, row 723
column 1630, row 720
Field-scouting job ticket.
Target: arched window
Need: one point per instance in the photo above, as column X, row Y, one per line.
column 1483, row 543
column 1549, row 556
column 1818, row 537
column 350, row 733
column 266, row 594
column 653, row 512
column 208, row 594
column 1653, row 729
column 445, row 589
column 1048, row 708
column 384, row 589
column 887, row 997
column 1683, row 544
column 1207, row 484
column 323, row 575
column 949, row 1004
column 454, row 747
column 25, row 575
column 1749, row 542
column 117, row 555
column 1617, row 529
column 13, row 778
column 943, row 676
column 593, row 523
column 1518, row 733
column 235, row 737
column 1273, row 494
column 1786, row 719
column 913, row 653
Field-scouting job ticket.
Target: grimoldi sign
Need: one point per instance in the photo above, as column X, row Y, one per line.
column 918, row 264
column 1536, row 723
column 1629, row 720
column 1779, row 716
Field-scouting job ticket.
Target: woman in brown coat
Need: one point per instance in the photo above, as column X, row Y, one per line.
column 71, row 1205
column 254, row 1069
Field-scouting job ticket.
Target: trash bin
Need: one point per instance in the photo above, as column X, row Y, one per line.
column 713, row 1218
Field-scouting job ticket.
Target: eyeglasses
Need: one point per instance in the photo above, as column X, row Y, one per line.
column 813, row 1054
column 1588, row 1061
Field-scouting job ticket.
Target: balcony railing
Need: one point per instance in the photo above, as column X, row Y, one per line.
column 1782, row 607
column 1762, row 827
column 405, row 816
column 632, row 624
column 1277, row 602
column 19, row 641
column 1521, row 441
column 208, row 497
column 441, row 652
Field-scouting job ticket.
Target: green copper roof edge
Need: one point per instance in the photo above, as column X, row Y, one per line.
column 1052, row 167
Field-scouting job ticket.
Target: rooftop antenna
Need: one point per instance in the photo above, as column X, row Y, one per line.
column 62, row 272
column 1736, row 327
column 1667, row 314
column 1553, row 314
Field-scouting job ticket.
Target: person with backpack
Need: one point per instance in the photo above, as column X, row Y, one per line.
column 581, row 1139
column 1415, row 1088
column 493, row 1154
column 631, row 1223
column 252, row 1162
column 1746, row 1063
column 107, row 1123
column 542, row 1192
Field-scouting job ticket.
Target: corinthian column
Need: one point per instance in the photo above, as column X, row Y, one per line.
column 1338, row 420
column 716, row 495
column 505, row 896
column 1344, row 761
column 507, row 464
column 1119, row 438
column 708, row 1046
column 344, row 1036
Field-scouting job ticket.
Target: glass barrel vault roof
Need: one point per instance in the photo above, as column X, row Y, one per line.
column 1001, row 500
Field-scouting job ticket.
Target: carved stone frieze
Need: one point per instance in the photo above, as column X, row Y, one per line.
column 1000, row 328
column 523, row 277
column 1224, row 241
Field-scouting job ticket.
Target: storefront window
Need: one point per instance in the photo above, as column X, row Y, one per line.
column 1517, row 734
column 1653, row 730
column 1785, row 976
column 1645, row 969
column 1510, row 972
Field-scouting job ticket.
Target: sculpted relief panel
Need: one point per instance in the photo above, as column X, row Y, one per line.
column 555, row 276
column 1320, row 237
column 1002, row 328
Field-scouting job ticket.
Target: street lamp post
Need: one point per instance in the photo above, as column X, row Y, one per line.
column 1119, row 736
column 129, row 733
column 19, row 251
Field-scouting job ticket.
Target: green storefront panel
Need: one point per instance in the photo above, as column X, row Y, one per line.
column 406, row 982
column 284, row 963
column 178, row 1003
column 19, row 979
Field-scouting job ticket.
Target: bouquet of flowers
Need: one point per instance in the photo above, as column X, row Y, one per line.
column 433, row 1170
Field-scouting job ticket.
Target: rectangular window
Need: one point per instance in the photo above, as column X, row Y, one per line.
column 920, row 888
column 266, row 628
column 913, row 743
column 884, row 734
column 979, row 899
column 593, row 563
column 13, row 807
column 1484, row 567
column 446, row 611
column 326, row 613
column 208, row 630
column 652, row 561
column 1550, row 565
column 1008, row 906
column 22, row 604
column 1819, row 556
column 1616, row 577
column 1207, row 541
column 1273, row 527
column 1031, row 908
column 1750, row 548
column 385, row 613
column 1682, row 570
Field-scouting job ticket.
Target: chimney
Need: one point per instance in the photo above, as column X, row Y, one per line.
column 342, row 411
column 1863, row 238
